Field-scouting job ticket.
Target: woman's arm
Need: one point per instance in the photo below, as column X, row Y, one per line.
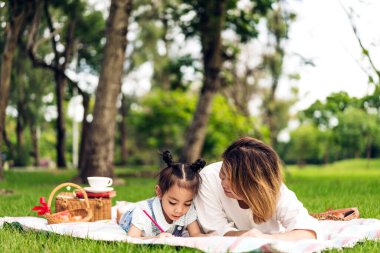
column 294, row 217
column 235, row 233
column 296, row 234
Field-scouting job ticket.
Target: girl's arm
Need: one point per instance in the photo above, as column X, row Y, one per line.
column 134, row 231
column 195, row 230
column 137, row 233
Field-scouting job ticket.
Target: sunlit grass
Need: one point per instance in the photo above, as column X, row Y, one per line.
column 342, row 184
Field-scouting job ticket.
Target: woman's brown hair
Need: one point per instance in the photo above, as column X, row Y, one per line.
column 253, row 169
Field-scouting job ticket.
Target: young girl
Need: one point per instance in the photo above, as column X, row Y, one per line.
column 172, row 209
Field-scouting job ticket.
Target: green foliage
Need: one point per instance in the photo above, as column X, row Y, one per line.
column 242, row 21
column 372, row 101
column 321, row 113
column 3, row 21
column 175, row 73
column 90, row 34
column 160, row 119
column 307, row 145
column 158, row 122
column 355, row 131
column 27, row 97
column 354, row 123
column 225, row 125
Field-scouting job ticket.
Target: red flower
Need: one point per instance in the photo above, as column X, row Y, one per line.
column 43, row 208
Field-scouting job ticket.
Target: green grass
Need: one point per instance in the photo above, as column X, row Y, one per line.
column 343, row 184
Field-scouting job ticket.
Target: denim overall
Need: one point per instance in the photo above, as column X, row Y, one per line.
column 126, row 221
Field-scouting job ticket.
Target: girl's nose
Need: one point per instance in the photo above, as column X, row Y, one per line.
column 178, row 210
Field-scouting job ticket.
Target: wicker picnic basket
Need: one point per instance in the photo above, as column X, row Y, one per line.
column 101, row 207
column 80, row 214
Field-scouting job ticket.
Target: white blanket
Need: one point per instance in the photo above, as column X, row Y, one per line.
column 338, row 234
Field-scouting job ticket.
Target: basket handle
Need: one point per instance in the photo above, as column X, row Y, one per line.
column 68, row 184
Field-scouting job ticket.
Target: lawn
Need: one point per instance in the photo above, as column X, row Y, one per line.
column 344, row 184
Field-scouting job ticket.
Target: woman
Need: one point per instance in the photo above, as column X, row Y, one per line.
column 245, row 196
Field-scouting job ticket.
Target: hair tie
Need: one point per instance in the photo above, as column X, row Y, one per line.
column 198, row 165
column 167, row 157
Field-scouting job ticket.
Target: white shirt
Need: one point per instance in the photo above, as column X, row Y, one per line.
column 220, row 214
column 142, row 222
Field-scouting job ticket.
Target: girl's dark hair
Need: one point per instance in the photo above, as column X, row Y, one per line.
column 184, row 175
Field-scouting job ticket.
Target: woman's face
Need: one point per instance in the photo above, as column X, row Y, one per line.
column 226, row 184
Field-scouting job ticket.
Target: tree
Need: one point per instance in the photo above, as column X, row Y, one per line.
column 212, row 17
column 307, row 145
column 27, row 97
column 99, row 149
column 80, row 35
column 210, row 20
column 355, row 133
column 17, row 14
column 372, row 71
column 352, row 120
column 278, row 22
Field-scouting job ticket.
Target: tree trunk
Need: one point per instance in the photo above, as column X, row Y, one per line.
column 18, row 14
column 8, row 144
column 212, row 17
column 85, row 128
column 61, row 81
column 20, row 126
column 35, row 148
column 21, row 156
column 60, row 123
column 99, row 150
column 368, row 151
column 123, row 131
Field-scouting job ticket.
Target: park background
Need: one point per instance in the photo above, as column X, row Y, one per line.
column 102, row 87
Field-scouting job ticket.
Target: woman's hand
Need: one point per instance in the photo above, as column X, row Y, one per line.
column 164, row 235
column 255, row 233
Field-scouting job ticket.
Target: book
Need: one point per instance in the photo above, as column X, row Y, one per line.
column 106, row 195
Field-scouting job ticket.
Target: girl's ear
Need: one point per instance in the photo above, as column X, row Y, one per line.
column 158, row 191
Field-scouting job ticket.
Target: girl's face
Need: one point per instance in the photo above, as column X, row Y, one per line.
column 175, row 202
column 226, row 184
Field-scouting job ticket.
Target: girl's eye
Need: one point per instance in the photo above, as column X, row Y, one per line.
column 171, row 203
column 187, row 204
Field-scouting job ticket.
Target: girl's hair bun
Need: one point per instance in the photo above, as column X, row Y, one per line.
column 198, row 165
column 167, row 157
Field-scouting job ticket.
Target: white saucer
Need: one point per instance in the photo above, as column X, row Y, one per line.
column 97, row 190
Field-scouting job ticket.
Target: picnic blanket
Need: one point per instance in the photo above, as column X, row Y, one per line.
column 338, row 234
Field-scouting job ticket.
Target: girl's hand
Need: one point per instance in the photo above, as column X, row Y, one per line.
column 164, row 235
column 255, row 233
